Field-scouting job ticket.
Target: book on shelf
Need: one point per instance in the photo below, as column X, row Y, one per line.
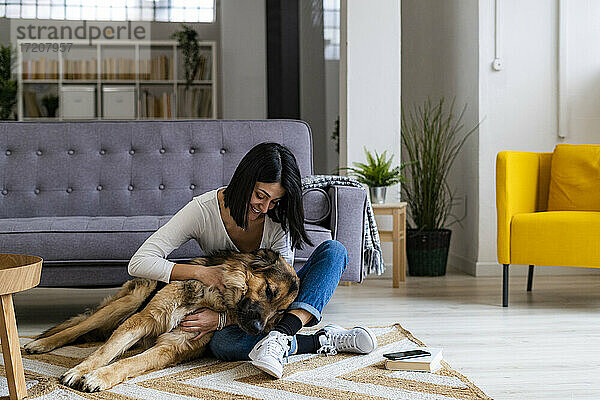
column 39, row 69
column 118, row 68
column 79, row 69
column 156, row 106
column 194, row 102
column 166, row 104
column 205, row 68
column 157, row 68
column 429, row 363
column 32, row 105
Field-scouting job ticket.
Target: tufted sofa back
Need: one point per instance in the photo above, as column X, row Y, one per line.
column 126, row 168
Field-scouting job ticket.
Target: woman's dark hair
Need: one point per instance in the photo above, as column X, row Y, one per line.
column 269, row 163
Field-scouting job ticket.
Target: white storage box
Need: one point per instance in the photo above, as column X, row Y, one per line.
column 118, row 102
column 78, row 102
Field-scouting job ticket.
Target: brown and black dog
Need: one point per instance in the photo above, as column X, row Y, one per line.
column 259, row 286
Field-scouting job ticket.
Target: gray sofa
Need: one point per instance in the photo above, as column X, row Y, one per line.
column 85, row 195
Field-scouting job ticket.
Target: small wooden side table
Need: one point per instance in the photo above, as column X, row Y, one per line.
column 17, row 273
column 397, row 235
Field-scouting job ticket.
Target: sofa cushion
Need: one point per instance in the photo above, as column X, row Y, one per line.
column 575, row 178
column 317, row 206
column 71, row 239
column 556, row 238
column 317, row 234
column 74, row 273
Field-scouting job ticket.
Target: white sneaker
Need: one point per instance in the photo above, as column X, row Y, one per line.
column 268, row 354
column 339, row 340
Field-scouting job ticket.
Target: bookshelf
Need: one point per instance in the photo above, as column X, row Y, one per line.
column 110, row 74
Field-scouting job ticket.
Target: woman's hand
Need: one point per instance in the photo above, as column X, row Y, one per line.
column 204, row 321
column 211, row 276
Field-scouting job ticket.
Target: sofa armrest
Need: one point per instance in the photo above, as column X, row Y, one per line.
column 348, row 207
column 517, row 191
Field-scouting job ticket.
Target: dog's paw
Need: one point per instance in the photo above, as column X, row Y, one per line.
column 39, row 346
column 72, row 378
column 96, row 381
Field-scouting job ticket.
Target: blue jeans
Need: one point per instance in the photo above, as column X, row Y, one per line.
column 318, row 279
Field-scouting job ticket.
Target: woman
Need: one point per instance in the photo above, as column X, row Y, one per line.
column 260, row 208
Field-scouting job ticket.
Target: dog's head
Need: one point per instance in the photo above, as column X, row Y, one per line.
column 272, row 285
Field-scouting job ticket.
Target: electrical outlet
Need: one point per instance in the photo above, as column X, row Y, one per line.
column 497, row 64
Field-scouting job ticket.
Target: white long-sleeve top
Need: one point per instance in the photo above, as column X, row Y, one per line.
column 200, row 220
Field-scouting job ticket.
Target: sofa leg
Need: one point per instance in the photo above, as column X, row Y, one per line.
column 505, row 285
column 530, row 278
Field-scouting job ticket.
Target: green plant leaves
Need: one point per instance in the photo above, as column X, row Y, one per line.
column 187, row 39
column 8, row 86
column 432, row 137
column 377, row 171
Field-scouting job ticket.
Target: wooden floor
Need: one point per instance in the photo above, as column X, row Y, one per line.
column 545, row 345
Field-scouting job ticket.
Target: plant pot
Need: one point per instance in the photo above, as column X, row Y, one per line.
column 427, row 251
column 51, row 112
column 377, row 194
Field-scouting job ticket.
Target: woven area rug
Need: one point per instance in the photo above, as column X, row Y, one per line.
column 342, row 376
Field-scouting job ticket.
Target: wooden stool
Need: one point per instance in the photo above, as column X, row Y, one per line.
column 397, row 236
column 17, row 273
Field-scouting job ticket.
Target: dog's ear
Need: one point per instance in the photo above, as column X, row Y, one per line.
column 263, row 259
column 236, row 279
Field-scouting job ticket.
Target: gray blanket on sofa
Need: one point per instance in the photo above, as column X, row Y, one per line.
column 372, row 247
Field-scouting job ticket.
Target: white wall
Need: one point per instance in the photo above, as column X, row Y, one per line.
column 580, row 100
column 370, row 80
column 439, row 58
column 520, row 103
column 243, row 59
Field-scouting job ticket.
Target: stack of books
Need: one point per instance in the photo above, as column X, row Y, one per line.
column 194, row 102
column 118, row 68
column 156, row 106
column 40, row 69
column 430, row 363
column 80, row 69
column 156, row 69
column 205, row 68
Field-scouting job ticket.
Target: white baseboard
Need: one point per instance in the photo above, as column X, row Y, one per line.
column 494, row 269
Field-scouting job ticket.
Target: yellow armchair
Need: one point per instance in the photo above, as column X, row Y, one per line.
column 528, row 234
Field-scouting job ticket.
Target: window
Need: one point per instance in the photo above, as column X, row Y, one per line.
column 111, row 10
column 331, row 29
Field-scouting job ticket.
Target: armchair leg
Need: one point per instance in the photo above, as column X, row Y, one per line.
column 530, row 278
column 505, row 285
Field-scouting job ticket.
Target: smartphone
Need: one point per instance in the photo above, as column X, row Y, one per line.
column 402, row 355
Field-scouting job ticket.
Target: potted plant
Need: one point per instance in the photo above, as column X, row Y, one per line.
column 432, row 137
column 8, row 86
column 50, row 102
column 377, row 174
column 187, row 40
